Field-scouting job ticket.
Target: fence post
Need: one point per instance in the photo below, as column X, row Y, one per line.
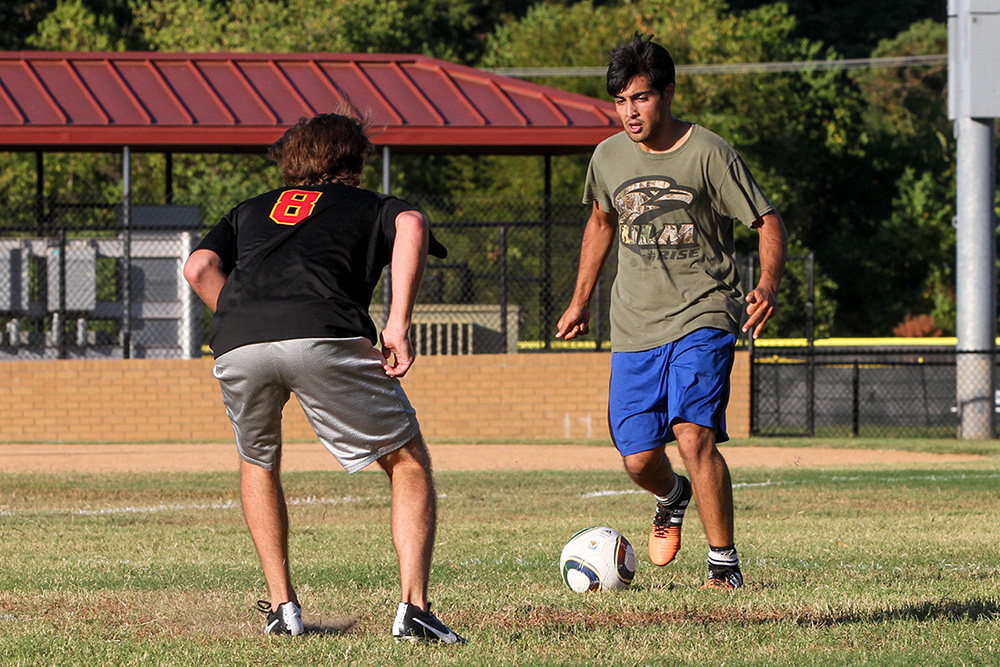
column 810, row 340
column 503, row 287
column 856, row 400
column 546, row 295
column 127, row 252
column 387, row 271
column 597, row 310
column 40, row 192
column 61, row 330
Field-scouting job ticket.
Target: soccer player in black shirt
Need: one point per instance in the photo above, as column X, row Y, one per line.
column 290, row 276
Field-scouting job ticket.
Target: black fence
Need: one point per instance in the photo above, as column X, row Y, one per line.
column 862, row 392
column 76, row 281
column 84, row 280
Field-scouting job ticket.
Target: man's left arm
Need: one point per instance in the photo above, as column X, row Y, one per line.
column 762, row 301
column 409, row 257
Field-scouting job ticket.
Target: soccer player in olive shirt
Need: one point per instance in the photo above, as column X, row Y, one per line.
column 667, row 192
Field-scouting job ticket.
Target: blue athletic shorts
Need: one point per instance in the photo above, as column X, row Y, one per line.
column 686, row 380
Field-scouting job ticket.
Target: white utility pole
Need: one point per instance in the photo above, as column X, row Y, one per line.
column 973, row 103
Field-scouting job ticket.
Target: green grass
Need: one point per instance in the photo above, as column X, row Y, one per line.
column 872, row 565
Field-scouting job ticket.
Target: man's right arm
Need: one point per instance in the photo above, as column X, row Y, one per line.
column 203, row 270
column 598, row 239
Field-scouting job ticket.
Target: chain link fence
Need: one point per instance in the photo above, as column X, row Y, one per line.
column 861, row 392
column 77, row 282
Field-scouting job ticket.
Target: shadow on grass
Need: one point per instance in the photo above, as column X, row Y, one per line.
column 330, row 628
column 957, row 610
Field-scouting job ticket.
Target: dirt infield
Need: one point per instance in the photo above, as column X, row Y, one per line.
column 221, row 457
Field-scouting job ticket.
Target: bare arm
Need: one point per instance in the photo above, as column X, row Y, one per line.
column 598, row 238
column 203, row 270
column 762, row 301
column 409, row 257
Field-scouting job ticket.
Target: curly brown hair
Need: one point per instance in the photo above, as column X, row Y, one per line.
column 327, row 148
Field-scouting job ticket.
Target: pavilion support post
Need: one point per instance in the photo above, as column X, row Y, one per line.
column 40, row 192
column 546, row 295
column 387, row 271
column 126, row 333
column 168, row 178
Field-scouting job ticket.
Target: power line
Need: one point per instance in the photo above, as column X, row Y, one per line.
column 739, row 68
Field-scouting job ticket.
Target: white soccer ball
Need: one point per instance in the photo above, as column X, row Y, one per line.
column 597, row 559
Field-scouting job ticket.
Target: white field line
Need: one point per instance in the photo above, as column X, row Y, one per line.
column 628, row 492
column 929, row 477
column 176, row 507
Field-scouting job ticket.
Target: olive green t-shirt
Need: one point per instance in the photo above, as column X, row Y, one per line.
column 676, row 267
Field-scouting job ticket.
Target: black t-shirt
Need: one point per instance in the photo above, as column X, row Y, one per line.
column 302, row 262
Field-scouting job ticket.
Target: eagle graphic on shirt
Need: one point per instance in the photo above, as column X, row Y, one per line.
column 642, row 204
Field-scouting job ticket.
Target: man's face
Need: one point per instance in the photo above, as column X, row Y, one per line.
column 643, row 110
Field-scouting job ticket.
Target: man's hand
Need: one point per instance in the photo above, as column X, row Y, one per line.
column 574, row 322
column 762, row 303
column 397, row 352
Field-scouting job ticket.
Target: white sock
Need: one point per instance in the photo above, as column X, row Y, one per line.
column 674, row 495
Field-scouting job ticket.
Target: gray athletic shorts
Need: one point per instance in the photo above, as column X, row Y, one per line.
column 358, row 412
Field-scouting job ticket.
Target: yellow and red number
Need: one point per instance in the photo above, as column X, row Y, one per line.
column 294, row 206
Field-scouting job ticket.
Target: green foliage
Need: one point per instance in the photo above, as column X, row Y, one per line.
column 854, row 28
column 74, row 26
column 447, row 29
column 860, row 165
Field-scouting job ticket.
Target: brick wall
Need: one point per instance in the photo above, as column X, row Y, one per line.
column 484, row 397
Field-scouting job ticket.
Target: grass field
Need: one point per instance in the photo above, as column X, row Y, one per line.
column 850, row 565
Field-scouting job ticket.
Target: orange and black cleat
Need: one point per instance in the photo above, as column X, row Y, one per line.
column 665, row 538
column 724, row 577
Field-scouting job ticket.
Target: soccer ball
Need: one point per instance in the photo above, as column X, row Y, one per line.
column 597, row 559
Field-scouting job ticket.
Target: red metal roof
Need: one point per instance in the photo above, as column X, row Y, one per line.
column 225, row 102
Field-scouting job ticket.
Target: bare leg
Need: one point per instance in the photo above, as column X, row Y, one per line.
column 414, row 517
column 710, row 481
column 651, row 470
column 267, row 517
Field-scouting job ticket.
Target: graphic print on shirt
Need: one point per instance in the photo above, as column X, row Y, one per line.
column 642, row 205
column 294, row 206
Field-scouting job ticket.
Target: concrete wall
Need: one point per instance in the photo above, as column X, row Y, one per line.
column 558, row 396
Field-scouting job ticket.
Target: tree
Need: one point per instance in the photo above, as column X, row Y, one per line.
column 449, row 29
column 853, row 28
column 73, row 26
column 18, row 19
column 810, row 126
column 913, row 150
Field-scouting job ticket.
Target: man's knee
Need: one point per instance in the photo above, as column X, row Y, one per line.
column 694, row 441
column 411, row 456
column 645, row 465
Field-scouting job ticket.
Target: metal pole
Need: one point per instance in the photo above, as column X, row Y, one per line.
column 973, row 103
column 168, row 178
column 503, row 289
column 975, row 277
column 856, row 400
column 40, row 192
column 387, row 271
column 126, row 252
column 597, row 309
column 810, row 341
column 754, row 394
column 61, row 315
column 547, row 255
